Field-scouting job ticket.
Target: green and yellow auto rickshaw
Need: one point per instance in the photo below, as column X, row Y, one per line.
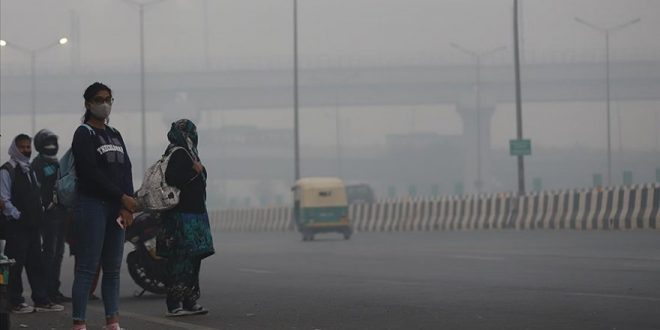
column 320, row 206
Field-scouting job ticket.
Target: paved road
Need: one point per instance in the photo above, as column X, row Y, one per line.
column 442, row 280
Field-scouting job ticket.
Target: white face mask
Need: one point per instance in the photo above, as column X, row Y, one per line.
column 101, row 111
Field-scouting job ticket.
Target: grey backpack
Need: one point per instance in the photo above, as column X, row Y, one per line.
column 155, row 194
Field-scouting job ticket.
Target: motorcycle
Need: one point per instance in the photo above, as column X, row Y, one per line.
column 146, row 268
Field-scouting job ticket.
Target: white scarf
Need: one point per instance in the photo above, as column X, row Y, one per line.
column 19, row 158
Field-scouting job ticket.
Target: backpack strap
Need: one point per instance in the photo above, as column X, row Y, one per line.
column 171, row 151
column 113, row 129
column 89, row 128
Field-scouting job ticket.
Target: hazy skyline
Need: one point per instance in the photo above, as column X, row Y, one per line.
column 259, row 32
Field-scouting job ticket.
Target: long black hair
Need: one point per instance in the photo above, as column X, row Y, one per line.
column 89, row 94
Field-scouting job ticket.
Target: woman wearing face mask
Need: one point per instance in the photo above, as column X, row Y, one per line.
column 104, row 206
column 186, row 236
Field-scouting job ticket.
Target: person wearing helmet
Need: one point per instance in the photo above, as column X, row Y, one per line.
column 46, row 168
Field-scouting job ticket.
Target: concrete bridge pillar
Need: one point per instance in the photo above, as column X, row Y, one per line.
column 476, row 144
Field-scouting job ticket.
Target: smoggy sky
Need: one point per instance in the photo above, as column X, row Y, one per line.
column 258, row 32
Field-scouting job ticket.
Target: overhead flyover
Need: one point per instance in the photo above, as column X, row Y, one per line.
column 340, row 86
column 354, row 87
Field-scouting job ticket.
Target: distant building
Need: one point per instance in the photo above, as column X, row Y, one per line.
column 248, row 141
column 422, row 141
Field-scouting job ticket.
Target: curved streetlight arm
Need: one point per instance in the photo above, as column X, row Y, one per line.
column 35, row 50
column 625, row 25
column 477, row 54
column 610, row 29
column 17, row 47
column 595, row 27
column 143, row 4
column 493, row 51
column 49, row 46
column 464, row 50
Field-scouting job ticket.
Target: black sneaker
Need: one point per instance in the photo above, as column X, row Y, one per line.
column 49, row 307
column 60, row 298
column 22, row 309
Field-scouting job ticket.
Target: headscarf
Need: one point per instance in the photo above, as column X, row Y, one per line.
column 183, row 133
column 20, row 159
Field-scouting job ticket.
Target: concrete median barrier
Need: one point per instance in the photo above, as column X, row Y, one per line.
column 634, row 207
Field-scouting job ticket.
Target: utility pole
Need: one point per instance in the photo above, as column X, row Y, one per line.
column 207, row 59
column 519, row 126
column 296, row 128
column 143, row 102
column 607, row 32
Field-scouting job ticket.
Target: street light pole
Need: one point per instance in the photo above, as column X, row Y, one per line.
column 33, row 73
column 205, row 15
column 338, row 139
column 479, row 183
column 296, row 128
column 607, row 32
column 33, row 91
column 608, row 109
column 619, row 128
column 519, row 125
column 655, row 121
column 477, row 94
column 143, row 103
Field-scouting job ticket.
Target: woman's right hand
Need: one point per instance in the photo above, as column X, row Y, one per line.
column 128, row 202
column 126, row 218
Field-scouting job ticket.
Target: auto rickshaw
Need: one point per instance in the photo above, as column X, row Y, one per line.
column 320, row 206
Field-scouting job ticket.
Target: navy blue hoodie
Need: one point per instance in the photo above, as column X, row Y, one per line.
column 102, row 164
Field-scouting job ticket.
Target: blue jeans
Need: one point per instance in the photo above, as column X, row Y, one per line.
column 98, row 239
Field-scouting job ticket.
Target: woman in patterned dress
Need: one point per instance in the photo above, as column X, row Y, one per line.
column 186, row 236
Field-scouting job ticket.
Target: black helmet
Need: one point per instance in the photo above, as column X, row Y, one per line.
column 45, row 142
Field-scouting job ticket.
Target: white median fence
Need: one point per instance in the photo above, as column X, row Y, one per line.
column 618, row 208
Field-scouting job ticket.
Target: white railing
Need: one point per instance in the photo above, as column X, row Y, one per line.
column 617, row 208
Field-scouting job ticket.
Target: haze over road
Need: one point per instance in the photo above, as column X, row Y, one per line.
column 437, row 280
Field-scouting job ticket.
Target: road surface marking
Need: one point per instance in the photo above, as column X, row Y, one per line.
column 254, row 271
column 475, row 257
column 614, row 296
column 394, row 282
column 157, row 320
